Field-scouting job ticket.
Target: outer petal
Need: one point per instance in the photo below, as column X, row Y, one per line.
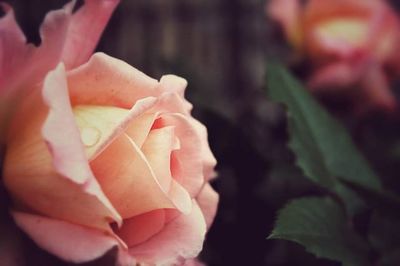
column 68, row 241
column 208, row 202
column 336, row 76
column 105, row 80
column 56, row 180
column 175, row 84
column 209, row 161
column 181, row 239
column 22, row 63
column 85, row 29
column 187, row 162
column 376, row 91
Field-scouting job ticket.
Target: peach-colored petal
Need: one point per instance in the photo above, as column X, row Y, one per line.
column 157, row 149
column 53, row 179
column 187, row 162
column 208, row 202
column 130, row 183
column 105, row 80
column 139, row 128
column 288, row 14
column 140, row 228
column 84, row 31
column 68, row 241
column 99, row 125
column 182, row 238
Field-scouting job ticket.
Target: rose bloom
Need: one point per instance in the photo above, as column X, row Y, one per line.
column 100, row 156
column 353, row 45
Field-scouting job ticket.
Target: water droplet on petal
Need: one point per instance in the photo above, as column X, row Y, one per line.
column 90, row 136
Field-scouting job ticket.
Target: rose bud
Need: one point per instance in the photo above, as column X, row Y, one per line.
column 103, row 156
column 352, row 44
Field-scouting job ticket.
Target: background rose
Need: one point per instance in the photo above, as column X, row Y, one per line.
column 106, row 156
column 352, row 44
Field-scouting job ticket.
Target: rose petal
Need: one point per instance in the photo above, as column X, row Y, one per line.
column 175, row 84
column 336, row 76
column 187, row 162
column 54, row 179
column 105, row 80
column 130, row 183
column 208, row 202
column 140, row 228
column 209, row 161
column 376, row 90
column 139, row 128
column 22, row 63
column 85, row 29
column 181, row 239
column 157, row 149
column 99, row 125
column 68, row 241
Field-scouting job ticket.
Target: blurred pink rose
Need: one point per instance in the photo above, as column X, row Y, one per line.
column 353, row 45
column 104, row 156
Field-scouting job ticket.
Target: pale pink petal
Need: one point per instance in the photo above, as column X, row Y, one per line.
column 140, row 228
column 24, row 64
column 53, row 179
column 336, row 76
column 105, row 80
column 376, row 92
column 130, row 183
column 85, row 29
column 208, row 202
column 175, row 84
column 69, row 157
column 68, row 241
column 187, row 162
column 182, row 238
column 287, row 13
column 209, row 161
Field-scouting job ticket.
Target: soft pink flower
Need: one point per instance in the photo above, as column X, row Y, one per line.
column 104, row 156
column 65, row 36
column 353, row 45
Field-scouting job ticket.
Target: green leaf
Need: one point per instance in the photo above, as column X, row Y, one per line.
column 324, row 150
column 320, row 225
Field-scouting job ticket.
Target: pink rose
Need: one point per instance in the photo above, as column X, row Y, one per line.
column 82, row 195
column 353, row 45
column 103, row 156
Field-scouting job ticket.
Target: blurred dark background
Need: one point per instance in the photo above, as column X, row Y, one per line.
column 221, row 48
